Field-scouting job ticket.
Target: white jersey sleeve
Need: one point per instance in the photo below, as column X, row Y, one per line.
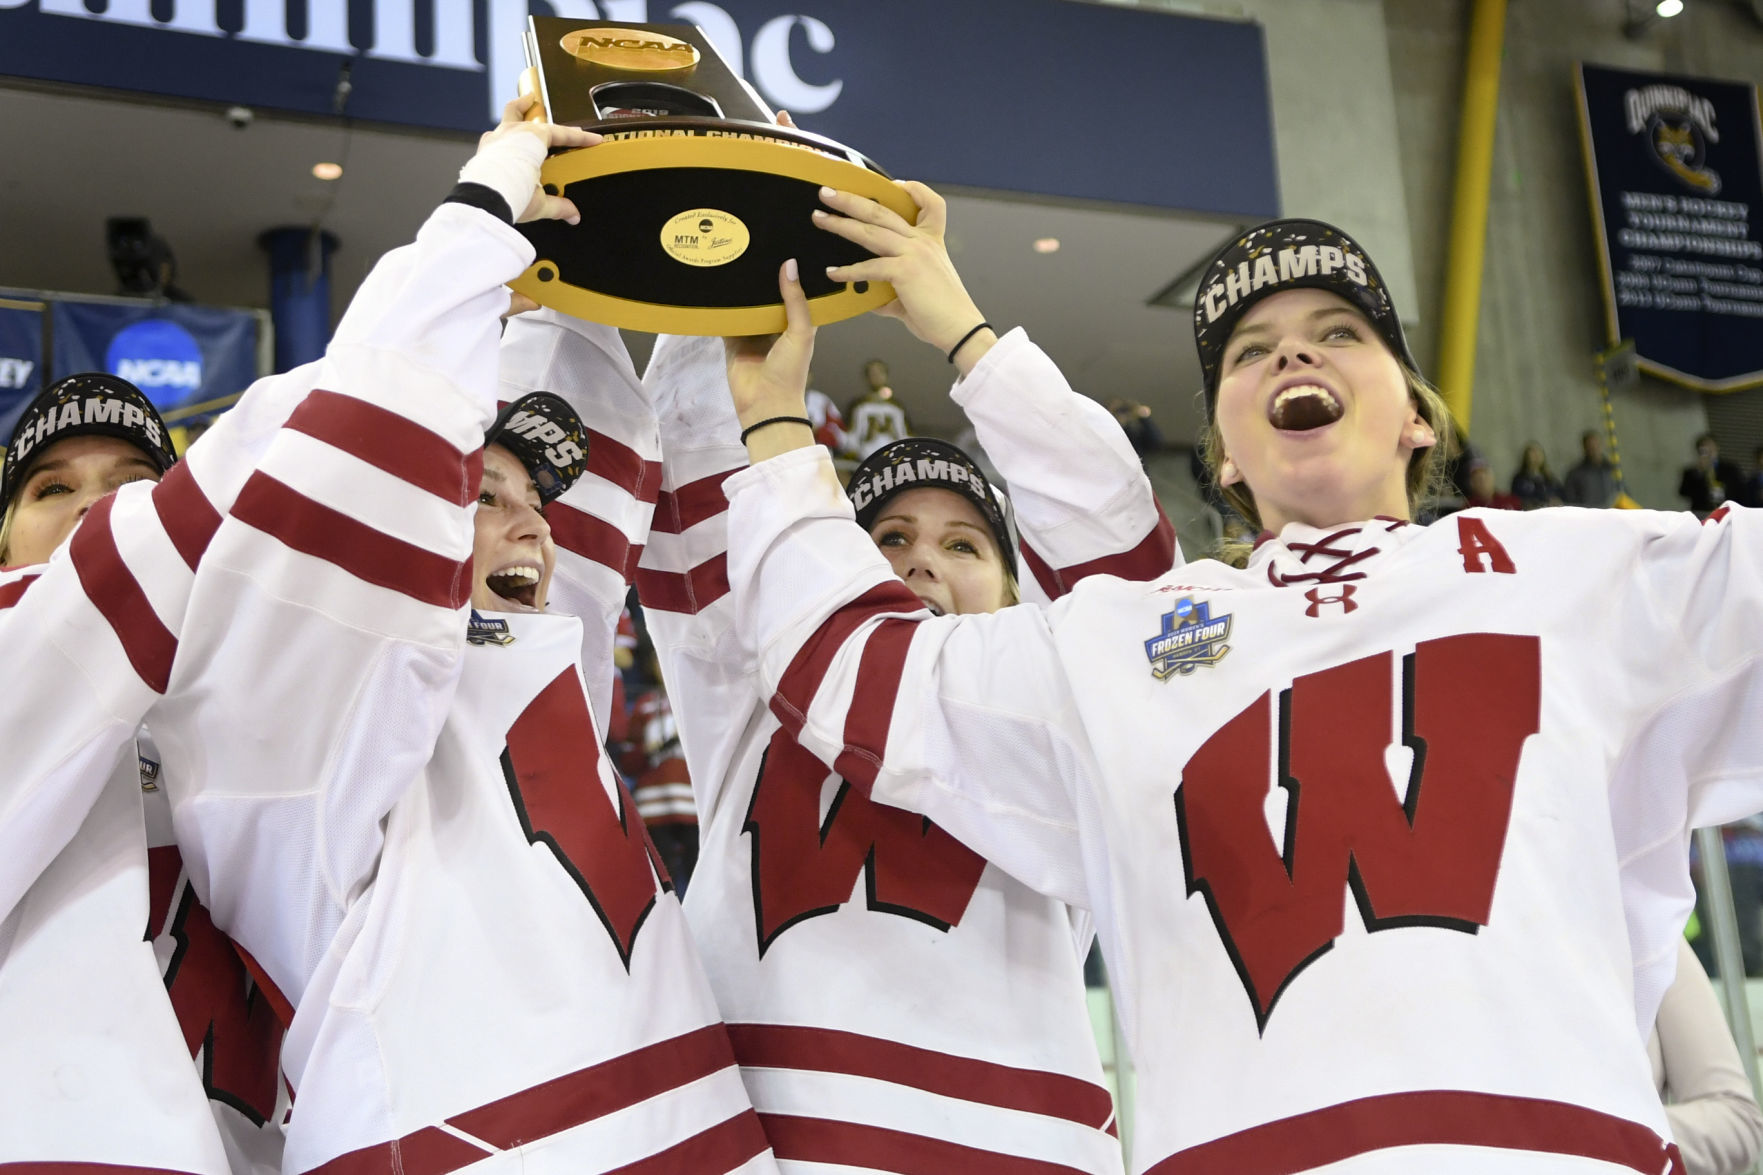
column 1083, row 503
column 682, row 578
column 99, row 626
column 1696, row 596
column 968, row 720
column 331, row 603
column 600, row 524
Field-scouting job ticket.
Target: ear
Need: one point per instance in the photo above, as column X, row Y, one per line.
column 1228, row 473
column 1417, row 433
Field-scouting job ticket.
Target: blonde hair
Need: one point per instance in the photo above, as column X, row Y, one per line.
column 6, row 531
column 1428, row 469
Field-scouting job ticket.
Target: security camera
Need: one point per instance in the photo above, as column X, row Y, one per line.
column 240, row 116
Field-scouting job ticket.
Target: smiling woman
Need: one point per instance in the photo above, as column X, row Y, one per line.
column 1311, row 391
column 1385, row 832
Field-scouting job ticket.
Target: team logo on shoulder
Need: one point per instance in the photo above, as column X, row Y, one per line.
column 1191, row 637
column 149, row 774
column 484, row 631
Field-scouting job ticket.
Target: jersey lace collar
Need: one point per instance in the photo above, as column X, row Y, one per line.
column 1307, row 555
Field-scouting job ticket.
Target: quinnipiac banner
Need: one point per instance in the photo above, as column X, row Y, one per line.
column 21, row 360
column 1676, row 172
column 177, row 354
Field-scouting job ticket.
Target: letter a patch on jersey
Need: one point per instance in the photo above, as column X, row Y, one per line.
column 805, row 865
column 553, row 766
column 1426, row 855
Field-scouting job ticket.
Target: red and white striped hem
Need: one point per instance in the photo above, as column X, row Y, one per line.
column 1427, row 1117
column 566, row 1102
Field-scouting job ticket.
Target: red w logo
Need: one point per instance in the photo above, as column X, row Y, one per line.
column 552, row 765
column 225, row 1018
column 1427, row 856
column 804, row 866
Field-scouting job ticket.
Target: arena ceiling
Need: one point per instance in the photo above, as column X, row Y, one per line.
column 67, row 162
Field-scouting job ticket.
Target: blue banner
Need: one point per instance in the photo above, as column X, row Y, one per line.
column 21, row 360
column 176, row 354
column 1677, row 193
column 1052, row 97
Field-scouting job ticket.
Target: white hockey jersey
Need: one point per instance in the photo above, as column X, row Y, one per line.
column 420, row 841
column 94, row 1070
column 1385, row 836
column 232, row 1025
column 959, row 1039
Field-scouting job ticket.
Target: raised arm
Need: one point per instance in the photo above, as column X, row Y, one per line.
column 601, row 523
column 968, row 720
column 328, row 615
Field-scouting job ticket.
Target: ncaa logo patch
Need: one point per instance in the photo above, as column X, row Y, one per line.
column 159, row 357
column 1191, row 637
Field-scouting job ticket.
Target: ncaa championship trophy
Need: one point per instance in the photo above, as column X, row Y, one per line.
column 695, row 198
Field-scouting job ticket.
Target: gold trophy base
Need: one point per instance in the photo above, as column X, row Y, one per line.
column 684, row 227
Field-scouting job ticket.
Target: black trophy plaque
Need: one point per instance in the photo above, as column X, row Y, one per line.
column 695, row 198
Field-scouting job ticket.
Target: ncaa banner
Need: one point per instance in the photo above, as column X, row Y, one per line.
column 178, row 355
column 1675, row 166
column 21, row 360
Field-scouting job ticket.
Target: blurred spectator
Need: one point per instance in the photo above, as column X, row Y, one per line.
column 829, row 422
column 1483, row 492
column 663, row 788
column 1744, row 865
column 1535, row 484
column 1592, row 482
column 876, row 417
column 1708, row 483
column 1696, row 1068
column 1135, row 420
column 1753, row 495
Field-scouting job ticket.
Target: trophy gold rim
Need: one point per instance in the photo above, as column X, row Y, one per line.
column 774, row 156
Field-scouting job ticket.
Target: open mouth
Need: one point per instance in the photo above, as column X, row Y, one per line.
column 1303, row 408
column 517, row 586
column 932, row 606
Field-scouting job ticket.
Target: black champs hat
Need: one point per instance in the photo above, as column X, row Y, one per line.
column 1287, row 255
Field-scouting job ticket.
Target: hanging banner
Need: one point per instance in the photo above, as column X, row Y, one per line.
column 178, row 355
column 21, row 360
column 1675, row 166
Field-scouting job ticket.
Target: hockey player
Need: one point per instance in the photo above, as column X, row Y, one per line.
column 401, row 806
column 93, row 1069
column 1385, row 833
column 896, row 1003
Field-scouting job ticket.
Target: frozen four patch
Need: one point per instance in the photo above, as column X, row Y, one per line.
column 1191, row 637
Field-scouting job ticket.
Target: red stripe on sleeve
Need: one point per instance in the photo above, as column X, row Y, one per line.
column 872, row 708
column 1154, row 555
column 723, row 1147
column 12, row 592
column 678, row 510
column 688, row 594
column 543, row 1110
column 600, row 1089
column 826, row 1140
column 1419, row 1118
column 426, row 1152
column 369, row 555
column 828, row 1050
column 391, row 442
column 801, row 681
column 117, row 595
column 189, row 518
column 592, row 538
column 624, row 467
